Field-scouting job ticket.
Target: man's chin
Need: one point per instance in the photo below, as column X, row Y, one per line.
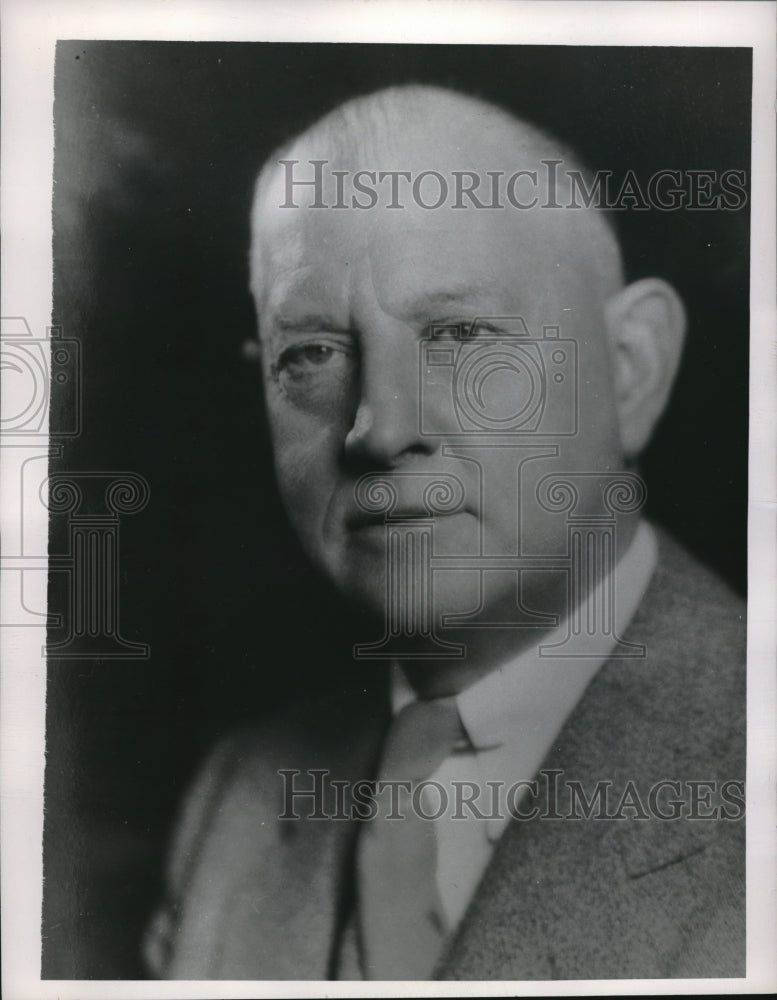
column 411, row 603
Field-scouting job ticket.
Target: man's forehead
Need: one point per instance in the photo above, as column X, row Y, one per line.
column 447, row 251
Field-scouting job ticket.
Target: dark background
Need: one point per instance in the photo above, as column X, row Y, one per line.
column 156, row 148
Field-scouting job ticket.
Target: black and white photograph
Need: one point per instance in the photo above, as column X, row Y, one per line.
column 391, row 526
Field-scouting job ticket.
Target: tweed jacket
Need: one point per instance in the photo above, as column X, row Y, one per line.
column 635, row 895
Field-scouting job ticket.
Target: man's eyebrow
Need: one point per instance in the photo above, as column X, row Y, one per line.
column 430, row 302
column 308, row 322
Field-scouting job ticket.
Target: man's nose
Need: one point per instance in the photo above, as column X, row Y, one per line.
column 386, row 427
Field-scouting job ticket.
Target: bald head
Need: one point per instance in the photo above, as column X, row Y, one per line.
column 415, row 129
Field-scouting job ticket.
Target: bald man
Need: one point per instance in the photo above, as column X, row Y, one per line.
column 550, row 784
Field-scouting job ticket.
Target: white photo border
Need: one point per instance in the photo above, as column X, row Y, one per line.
column 29, row 32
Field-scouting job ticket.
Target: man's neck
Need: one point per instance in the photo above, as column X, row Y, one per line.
column 488, row 647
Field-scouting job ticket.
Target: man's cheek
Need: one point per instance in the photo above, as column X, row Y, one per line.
column 306, row 467
column 290, row 425
column 299, row 467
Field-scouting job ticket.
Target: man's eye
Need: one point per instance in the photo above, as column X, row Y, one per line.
column 302, row 360
column 447, row 331
column 464, row 329
column 317, row 374
column 310, row 354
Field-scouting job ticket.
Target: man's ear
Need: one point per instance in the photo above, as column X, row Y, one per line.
column 646, row 326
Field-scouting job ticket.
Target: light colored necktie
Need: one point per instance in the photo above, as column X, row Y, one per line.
column 401, row 921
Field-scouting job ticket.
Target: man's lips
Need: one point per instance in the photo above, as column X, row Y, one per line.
column 359, row 520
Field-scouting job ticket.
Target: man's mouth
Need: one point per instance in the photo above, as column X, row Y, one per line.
column 362, row 520
column 402, row 496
